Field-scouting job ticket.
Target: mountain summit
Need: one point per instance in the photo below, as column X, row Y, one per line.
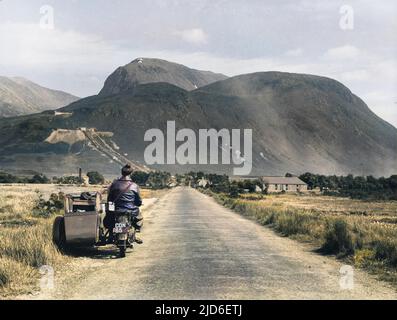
column 148, row 70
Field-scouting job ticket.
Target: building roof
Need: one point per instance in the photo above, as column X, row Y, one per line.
column 283, row 180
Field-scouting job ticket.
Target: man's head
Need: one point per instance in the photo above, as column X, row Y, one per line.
column 126, row 170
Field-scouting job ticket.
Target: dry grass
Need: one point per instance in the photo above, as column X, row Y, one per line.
column 362, row 232
column 150, row 193
column 26, row 238
column 334, row 205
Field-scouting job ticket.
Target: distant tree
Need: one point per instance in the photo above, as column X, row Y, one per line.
column 39, row 178
column 7, row 178
column 159, row 179
column 140, row 177
column 233, row 191
column 219, row 183
column 354, row 186
column 288, row 175
column 94, row 177
column 180, row 178
column 69, row 180
column 393, row 182
column 309, row 178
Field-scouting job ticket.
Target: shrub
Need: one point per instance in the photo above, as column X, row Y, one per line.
column 7, row 178
column 338, row 238
column 140, row 177
column 386, row 249
column 233, row 193
column 45, row 209
column 94, row 177
column 39, row 178
column 291, row 223
column 159, row 180
column 363, row 257
column 69, row 180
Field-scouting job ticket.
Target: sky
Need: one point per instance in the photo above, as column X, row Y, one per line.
column 73, row 45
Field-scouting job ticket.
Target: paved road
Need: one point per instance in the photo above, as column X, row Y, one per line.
column 196, row 249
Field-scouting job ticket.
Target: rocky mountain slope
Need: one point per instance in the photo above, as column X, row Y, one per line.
column 19, row 96
column 300, row 123
column 147, row 70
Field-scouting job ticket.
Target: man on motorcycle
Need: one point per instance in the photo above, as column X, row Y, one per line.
column 124, row 193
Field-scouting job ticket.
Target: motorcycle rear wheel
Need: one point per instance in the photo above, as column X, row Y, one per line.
column 122, row 251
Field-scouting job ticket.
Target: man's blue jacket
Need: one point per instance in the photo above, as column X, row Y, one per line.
column 125, row 194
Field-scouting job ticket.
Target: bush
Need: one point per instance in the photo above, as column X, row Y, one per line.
column 7, row 178
column 233, row 193
column 354, row 187
column 386, row 249
column 339, row 239
column 94, row 177
column 140, row 177
column 39, row 178
column 69, row 180
column 48, row 208
column 159, row 180
column 290, row 223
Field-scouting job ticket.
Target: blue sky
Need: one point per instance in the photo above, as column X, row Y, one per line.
column 89, row 39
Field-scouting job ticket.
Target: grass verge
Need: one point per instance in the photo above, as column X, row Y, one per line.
column 355, row 239
column 25, row 241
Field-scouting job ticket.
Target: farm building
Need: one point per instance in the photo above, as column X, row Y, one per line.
column 276, row 184
column 287, row 184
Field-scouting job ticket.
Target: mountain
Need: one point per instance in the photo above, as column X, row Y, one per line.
column 148, row 70
column 19, row 96
column 300, row 123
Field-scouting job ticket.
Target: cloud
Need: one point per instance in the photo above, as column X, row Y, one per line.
column 342, row 53
column 65, row 60
column 194, row 36
column 294, row 52
column 79, row 62
column 355, row 75
column 385, row 102
column 29, row 46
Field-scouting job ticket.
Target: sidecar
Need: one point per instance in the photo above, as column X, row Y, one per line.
column 82, row 222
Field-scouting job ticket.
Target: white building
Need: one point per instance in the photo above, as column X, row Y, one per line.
column 287, row 184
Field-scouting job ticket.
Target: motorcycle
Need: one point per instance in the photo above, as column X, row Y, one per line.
column 123, row 232
column 87, row 222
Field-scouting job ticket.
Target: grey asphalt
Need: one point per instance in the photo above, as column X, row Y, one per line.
column 196, row 249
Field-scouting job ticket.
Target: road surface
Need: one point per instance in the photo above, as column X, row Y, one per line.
column 196, row 249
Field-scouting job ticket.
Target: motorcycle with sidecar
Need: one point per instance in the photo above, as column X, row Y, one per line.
column 85, row 223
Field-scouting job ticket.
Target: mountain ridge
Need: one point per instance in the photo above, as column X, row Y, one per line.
column 300, row 123
column 20, row 96
column 150, row 70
